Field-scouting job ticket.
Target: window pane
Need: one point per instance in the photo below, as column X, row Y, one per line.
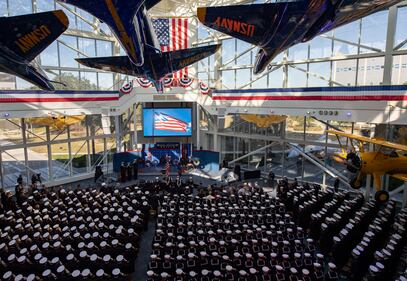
column 320, row 47
column 79, row 157
column 104, row 48
column 38, row 161
column 319, row 74
column 45, row 5
column 295, row 127
column 82, row 25
column 105, row 81
column 401, row 30
column 350, row 33
column 276, row 78
column 70, row 79
column 20, row 7
column 344, row 72
column 371, row 71
column 298, row 52
column 60, row 160
column 67, row 54
column 49, row 56
column 3, row 8
column 297, row 77
column 228, row 79
column 243, row 77
column 10, row 131
column 374, row 31
column 228, row 50
column 13, row 166
column 399, row 75
column 88, row 81
column 87, row 46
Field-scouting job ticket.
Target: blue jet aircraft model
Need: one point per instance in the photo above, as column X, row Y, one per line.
column 274, row 27
column 23, row 38
column 131, row 25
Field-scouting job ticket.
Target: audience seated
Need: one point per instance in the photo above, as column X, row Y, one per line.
column 232, row 237
column 73, row 235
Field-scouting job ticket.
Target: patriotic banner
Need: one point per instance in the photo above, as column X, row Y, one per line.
column 204, row 88
column 168, row 80
column 145, row 83
column 127, row 88
column 172, row 34
column 185, row 81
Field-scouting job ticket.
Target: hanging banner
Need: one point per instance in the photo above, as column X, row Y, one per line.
column 204, row 88
column 145, row 83
column 185, row 81
column 127, row 88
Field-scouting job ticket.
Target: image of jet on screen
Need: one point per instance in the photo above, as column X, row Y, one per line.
column 274, row 27
column 131, row 25
column 23, row 38
column 165, row 122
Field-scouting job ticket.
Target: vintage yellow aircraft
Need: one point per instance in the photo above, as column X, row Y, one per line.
column 388, row 159
column 57, row 122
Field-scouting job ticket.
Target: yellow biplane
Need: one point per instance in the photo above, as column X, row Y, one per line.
column 388, row 159
column 57, row 122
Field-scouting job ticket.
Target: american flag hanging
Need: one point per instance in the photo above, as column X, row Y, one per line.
column 172, row 35
column 165, row 122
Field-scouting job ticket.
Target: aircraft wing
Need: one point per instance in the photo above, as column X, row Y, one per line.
column 28, row 35
column 388, row 144
column 119, row 64
column 182, row 58
column 119, row 16
column 257, row 23
column 355, row 10
column 402, row 177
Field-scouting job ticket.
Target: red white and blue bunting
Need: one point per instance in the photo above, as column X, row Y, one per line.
column 144, row 82
column 185, row 81
column 127, row 88
column 204, row 88
column 168, row 80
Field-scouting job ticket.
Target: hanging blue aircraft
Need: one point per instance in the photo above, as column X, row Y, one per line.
column 130, row 24
column 274, row 27
column 25, row 37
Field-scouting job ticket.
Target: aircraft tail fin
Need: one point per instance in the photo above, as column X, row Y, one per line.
column 249, row 23
column 183, row 58
column 29, row 35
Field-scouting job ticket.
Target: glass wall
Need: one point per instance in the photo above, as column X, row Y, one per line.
column 28, row 146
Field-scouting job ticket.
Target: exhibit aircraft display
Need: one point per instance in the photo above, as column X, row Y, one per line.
column 377, row 163
column 24, row 38
column 131, row 25
column 274, row 27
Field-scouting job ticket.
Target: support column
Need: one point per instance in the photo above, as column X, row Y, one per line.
column 369, row 177
column 118, row 133
column 198, row 120
column 1, row 171
column 88, row 167
column 25, row 149
column 68, row 131
column 388, row 58
column 135, row 138
column 50, row 171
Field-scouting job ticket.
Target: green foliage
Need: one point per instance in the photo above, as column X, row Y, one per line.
column 73, row 82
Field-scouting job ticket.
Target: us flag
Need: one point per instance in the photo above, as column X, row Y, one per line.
column 172, row 34
column 165, row 122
